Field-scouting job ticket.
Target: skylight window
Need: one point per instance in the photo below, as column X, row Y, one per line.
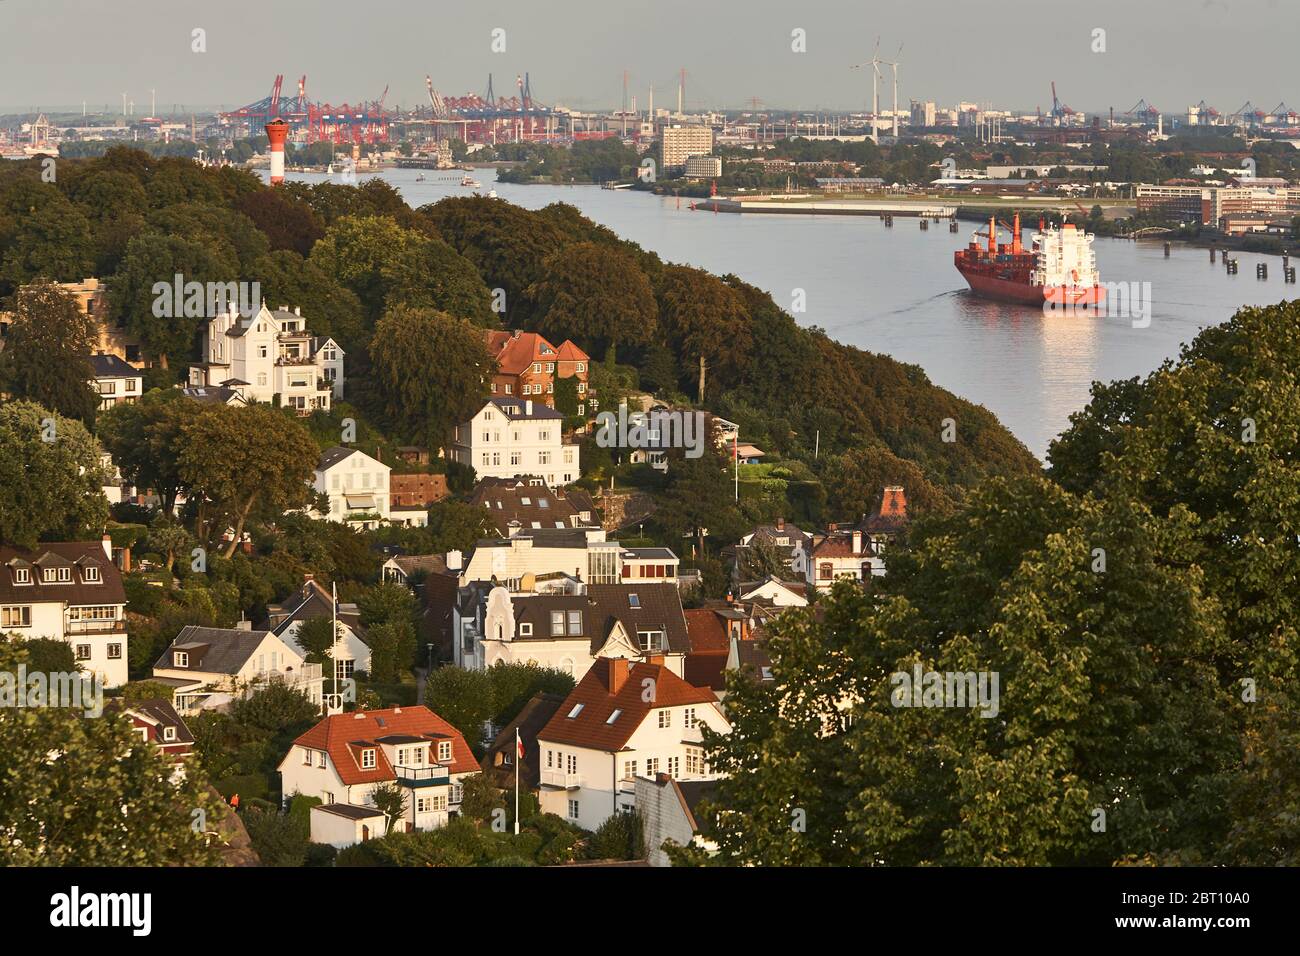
column 577, row 709
column 614, row 716
column 543, row 502
column 633, row 601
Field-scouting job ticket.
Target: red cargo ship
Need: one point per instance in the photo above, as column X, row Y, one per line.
column 1059, row 268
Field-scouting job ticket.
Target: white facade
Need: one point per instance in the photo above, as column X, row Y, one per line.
column 270, row 659
column 357, row 487
column 32, row 605
column 587, row 786
column 350, row 652
column 510, row 437
column 271, row 354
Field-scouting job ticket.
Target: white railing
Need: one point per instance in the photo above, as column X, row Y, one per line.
column 558, row 778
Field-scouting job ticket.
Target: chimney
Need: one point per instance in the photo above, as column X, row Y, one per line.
column 857, row 542
column 832, row 526
column 108, row 547
column 297, row 310
column 454, row 559
column 780, row 524
column 656, row 660
column 528, row 407
column 618, row 673
column 894, row 502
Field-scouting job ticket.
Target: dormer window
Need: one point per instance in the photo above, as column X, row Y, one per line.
column 180, row 659
column 90, row 574
column 169, row 733
column 47, row 576
column 525, row 630
column 22, row 576
column 444, row 750
column 368, row 759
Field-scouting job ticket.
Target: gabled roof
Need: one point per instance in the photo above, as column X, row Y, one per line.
column 77, row 555
column 516, row 351
column 110, row 366
column 536, row 714
column 344, row 736
column 312, row 600
column 160, row 713
column 616, row 684
column 526, row 502
column 516, row 409
column 214, row 650
column 332, row 456
column 658, row 607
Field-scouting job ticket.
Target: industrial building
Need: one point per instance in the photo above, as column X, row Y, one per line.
column 680, row 143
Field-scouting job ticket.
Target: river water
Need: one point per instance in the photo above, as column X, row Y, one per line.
column 895, row 291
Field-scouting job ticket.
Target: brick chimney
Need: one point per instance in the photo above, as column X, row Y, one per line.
column 894, row 503
column 618, row 672
column 780, row 524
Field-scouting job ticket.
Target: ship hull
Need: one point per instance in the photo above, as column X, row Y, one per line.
column 1009, row 290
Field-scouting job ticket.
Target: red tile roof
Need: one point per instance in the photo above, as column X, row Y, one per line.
column 616, row 684
column 515, row 352
column 708, row 634
column 343, row 736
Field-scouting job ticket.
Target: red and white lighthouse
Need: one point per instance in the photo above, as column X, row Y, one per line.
column 276, row 131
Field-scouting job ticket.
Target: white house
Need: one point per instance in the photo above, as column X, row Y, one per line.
column 270, row 354
column 583, row 553
column 624, row 720
column 356, row 485
column 311, row 602
column 115, row 382
column 343, row 758
column 571, row 632
column 512, row 436
column 68, row 591
column 843, row 554
column 209, row 667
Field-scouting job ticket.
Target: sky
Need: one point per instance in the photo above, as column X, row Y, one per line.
column 55, row 54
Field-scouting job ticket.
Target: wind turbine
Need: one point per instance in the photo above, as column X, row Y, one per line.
column 875, row 62
column 897, row 57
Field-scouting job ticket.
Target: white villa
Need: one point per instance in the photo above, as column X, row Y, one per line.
column 270, row 354
column 512, row 436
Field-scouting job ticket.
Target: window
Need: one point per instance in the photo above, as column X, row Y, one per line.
column 368, row 759
column 650, row 640
column 321, row 759
column 543, row 458
column 169, row 733
column 16, row 616
column 651, row 766
column 22, row 576
column 180, row 659
column 115, row 652
column 537, row 368
column 438, row 802
column 573, row 809
column 688, row 717
column 615, row 715
column 557, row 623
column 825, row 571
column 665, row 718
column 580, row 367
column 577, row 709
column 572, row 762
column 525, row 630
column 515, row 458
column 694, row 762
column 549, row 755
column 306, row 758
column 65, row 575
column 90, row 574
column 674, row 767
column 575, row 623
column 444, row 750
column 83, row 652
column 422, row 804
column 633, row 601
column 629, row 769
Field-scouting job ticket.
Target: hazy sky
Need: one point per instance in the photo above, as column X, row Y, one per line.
column 57, row 53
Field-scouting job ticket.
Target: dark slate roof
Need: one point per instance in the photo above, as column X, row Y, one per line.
column 505, row 499
column 332, row 456
column 349, row 810
column 312, row 600
column 164, row 713
column 660, row 609
column 211, row 393
column 513, row 409
column 76, row 555
column 110, row 366
column 215, row 650
column 530, row 721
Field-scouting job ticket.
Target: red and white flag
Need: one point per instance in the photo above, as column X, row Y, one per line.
column 519, row 744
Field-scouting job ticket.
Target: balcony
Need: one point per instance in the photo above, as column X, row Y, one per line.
column 96, row 627
column 435, row 776
column 561, row 780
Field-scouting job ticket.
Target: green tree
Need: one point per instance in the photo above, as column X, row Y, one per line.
column 706, row 322
column 51, row 237
column 596, row 294
column 46, row 359
column 115, row 804
column 431, row 371
column 391, row 801
column 145, row 440
column 238, row 459
column 51, row 479
column 461, row 697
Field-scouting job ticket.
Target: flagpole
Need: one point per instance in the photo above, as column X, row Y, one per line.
column 518, row 760
column 334, row 637
column 735, row 456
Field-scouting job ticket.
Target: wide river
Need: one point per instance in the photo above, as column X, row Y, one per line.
column 895, row 291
